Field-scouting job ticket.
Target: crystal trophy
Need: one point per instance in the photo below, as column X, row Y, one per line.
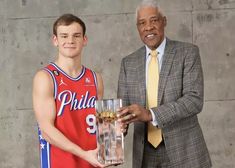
column 110, row 139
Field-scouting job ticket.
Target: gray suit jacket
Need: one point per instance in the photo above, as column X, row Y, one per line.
column 180, row 99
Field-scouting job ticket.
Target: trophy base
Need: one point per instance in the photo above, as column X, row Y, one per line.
column 112, row 162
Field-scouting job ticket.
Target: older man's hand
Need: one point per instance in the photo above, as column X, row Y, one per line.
column 134, row 113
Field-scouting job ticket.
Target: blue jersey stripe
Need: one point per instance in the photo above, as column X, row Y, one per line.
column 44, row 151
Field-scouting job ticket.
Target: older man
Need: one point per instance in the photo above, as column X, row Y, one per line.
column 161, row 85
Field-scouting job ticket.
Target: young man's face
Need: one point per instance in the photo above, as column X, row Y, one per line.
column 151, row 25
column 70, row 40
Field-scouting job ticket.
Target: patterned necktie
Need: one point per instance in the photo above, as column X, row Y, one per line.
column 154, row 133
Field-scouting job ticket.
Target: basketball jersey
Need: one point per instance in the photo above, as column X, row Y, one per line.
column 75, row 117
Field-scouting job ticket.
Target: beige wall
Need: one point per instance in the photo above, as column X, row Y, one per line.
column 25, row 46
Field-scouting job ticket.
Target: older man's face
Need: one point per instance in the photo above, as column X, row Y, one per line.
column 151, row 25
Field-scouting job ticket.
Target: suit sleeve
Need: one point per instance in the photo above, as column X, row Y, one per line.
column 189, row 101
column 122, row 89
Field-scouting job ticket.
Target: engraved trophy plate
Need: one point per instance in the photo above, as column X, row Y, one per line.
column 109, row 136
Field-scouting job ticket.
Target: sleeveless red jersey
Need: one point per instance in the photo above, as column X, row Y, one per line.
column 75, row 117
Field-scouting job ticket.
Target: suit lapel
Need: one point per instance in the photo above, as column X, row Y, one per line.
column 168, row 58
column 141, row 74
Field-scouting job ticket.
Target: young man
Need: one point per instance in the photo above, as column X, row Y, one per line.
column 64, row 94
column 161, row 85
